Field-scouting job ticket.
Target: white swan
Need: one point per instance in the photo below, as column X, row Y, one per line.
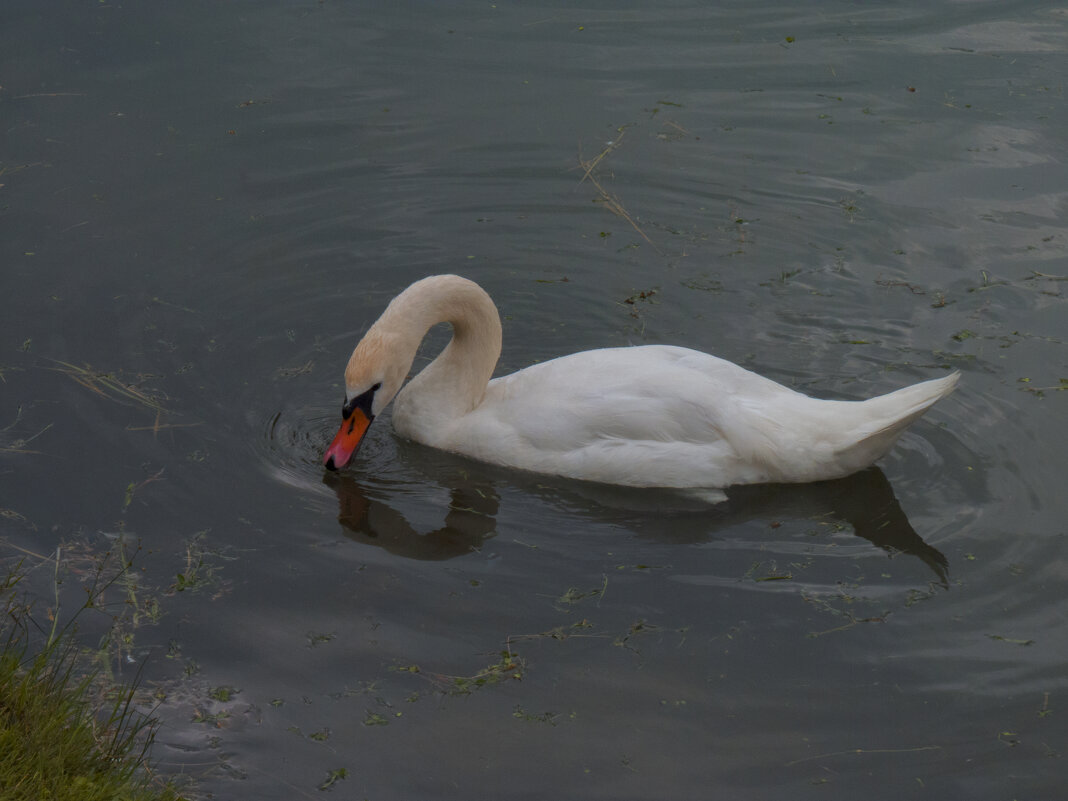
column 646, row 416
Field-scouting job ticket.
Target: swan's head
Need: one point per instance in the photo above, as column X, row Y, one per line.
column 372, row 379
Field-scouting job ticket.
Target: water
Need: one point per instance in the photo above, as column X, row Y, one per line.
column 211, row 204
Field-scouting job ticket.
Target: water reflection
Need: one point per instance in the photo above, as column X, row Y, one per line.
column 864, row 501
column 471, row 519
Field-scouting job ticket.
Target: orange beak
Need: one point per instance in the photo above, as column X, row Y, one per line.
column 347, row 441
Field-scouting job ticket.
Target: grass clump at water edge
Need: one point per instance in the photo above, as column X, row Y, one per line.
column 58, row 739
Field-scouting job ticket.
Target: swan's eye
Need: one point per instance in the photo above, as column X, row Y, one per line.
column 363, row 402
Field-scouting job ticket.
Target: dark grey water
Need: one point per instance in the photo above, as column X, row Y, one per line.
column 202, row 207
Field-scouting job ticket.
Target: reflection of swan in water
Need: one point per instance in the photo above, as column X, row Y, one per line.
column 470, row 520
column 864, row 500
column 647, row 416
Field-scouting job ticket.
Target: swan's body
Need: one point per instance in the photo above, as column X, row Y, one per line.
column 647, row 416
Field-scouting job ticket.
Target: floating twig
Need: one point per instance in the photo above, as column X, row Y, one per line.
column 860, row 751
column 610, row 201
column 106, row 385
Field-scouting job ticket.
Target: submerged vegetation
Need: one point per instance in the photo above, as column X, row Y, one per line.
column 64, row 736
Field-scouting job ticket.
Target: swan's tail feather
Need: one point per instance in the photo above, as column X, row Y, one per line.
column 887, row 416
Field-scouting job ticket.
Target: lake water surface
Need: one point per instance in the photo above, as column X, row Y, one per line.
column 203, row 206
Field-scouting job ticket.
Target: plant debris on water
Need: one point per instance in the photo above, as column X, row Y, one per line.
column 19, row 445
column 333, row 777
column 108, row 385
column 573, row 595
column 611, row 202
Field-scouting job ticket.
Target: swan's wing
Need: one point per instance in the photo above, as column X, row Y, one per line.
column 649, row 415
column 639, row 394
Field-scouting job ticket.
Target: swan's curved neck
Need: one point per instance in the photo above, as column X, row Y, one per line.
column 455, row 382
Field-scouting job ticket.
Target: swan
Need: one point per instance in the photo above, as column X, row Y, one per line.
column 642, row 416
